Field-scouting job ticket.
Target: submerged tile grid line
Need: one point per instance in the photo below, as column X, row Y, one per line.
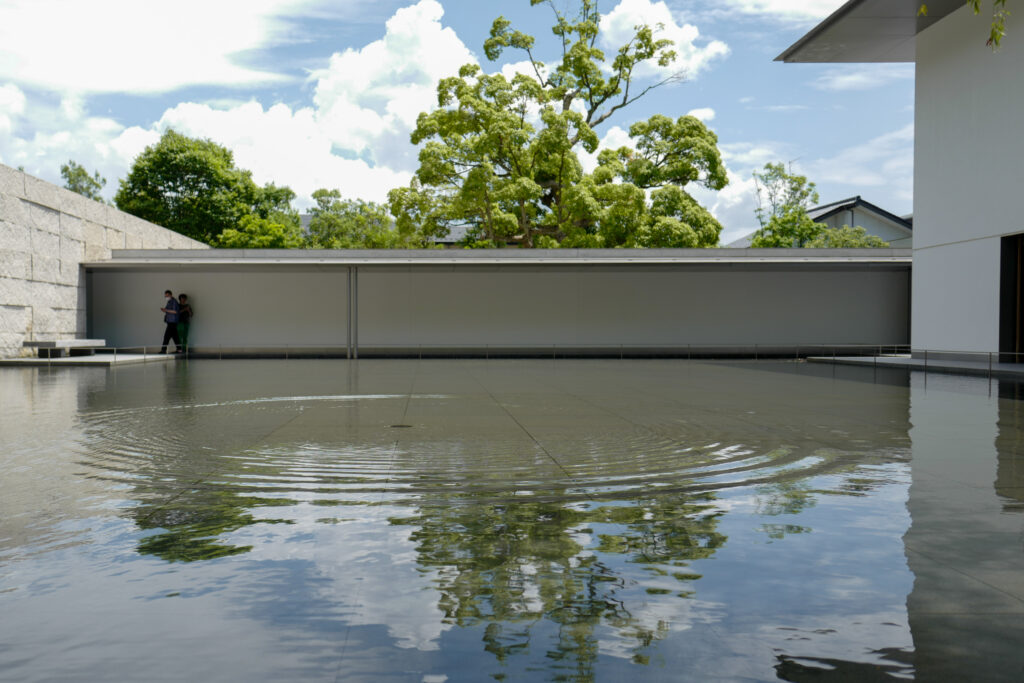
column 946, row 566
column 526, row 431
column 205, row 477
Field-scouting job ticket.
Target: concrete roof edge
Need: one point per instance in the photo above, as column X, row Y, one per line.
column 817, row 30
column 872, row 47
column 177, row 257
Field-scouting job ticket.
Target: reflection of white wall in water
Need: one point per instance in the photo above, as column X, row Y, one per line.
column 40, row 437
column 514, row 305
column 967, row 607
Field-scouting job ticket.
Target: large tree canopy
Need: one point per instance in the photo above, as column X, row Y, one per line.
column 500, row 155
column 192, row 186
column 338, row 223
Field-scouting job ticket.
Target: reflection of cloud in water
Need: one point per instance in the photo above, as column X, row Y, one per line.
column 370, row 567
column 661, row 616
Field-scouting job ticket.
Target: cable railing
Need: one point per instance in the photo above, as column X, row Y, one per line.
column 903, row 356
column 497, row 351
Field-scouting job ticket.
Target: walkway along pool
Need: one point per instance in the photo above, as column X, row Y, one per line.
column 468, row 520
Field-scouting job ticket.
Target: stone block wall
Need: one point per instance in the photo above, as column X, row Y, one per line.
column 46, row 233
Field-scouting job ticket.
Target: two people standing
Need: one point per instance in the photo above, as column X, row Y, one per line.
column 178, row 318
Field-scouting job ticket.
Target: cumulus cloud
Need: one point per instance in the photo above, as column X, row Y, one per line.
column 139, row 47
column 354, row 137
column 284, row 146
column 614, row 138
column 704, row 114
column 863, row 77
column 619, row 26
column 367, row 100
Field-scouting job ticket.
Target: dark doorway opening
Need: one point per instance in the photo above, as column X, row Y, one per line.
column 1011, row 300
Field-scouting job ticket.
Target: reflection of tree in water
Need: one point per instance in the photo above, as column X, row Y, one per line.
column 797, row 493
column 192, row 523
column 525, row 569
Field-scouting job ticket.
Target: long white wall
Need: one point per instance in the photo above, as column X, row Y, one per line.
column 46, row 233
column 513, row 306
column 968, row 168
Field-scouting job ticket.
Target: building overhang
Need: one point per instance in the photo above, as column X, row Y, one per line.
column 326, row 259
column 869, row 31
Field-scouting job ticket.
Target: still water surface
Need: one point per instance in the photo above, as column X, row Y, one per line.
column 508, row 520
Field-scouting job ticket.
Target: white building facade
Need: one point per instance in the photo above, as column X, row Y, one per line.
column 968, row 275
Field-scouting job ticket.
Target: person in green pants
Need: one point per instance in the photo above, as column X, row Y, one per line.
column 184, row 320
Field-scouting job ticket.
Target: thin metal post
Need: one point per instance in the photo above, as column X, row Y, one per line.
column 348, row 314
column 355, row 313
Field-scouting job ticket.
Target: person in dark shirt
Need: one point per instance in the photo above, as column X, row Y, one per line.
column 170, row 311
column 184, row 321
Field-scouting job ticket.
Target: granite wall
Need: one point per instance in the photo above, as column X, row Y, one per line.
column 46, row 233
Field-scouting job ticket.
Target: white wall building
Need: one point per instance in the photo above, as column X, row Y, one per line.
column 855, row 212
column 968, row 286
column 875, row 220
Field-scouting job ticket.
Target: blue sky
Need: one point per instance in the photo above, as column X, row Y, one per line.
column 324, row 93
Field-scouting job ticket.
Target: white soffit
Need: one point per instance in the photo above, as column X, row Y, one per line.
column 868, row 31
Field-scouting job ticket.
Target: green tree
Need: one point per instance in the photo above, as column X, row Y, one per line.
column 77, row 179
column 274, row 224
column 353, row 224
column 255, row 232
column 846, row 238
column 192, row 186
column 783, row 199
column 499, row 155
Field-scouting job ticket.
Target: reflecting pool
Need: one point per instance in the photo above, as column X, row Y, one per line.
column 463, row 520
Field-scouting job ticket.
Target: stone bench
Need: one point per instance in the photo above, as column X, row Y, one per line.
column 70, row 347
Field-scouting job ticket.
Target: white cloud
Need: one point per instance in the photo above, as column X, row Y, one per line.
column 886, row 161
column 705, row 114
column 787, row 10
column 618, row 27
column 12, row 106
column 863, row 77
column 367, row 100
column 286, row 147
column 355, row 137
column 752, row 156
column 45, row 136
column 139, row 47
column 614, row 138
